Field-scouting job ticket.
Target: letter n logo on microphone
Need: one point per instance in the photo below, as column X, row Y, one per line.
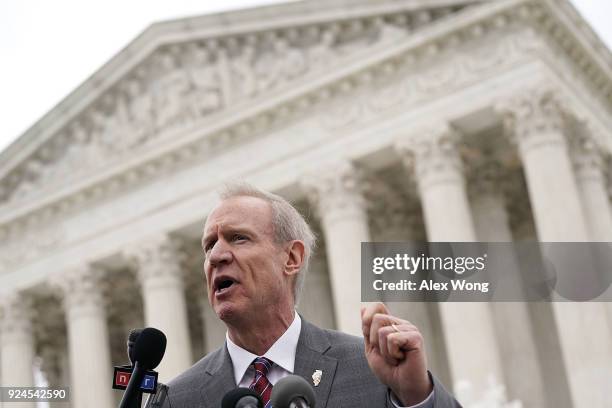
column 121, row 377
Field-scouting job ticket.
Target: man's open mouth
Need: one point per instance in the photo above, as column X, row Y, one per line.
column 224, row 283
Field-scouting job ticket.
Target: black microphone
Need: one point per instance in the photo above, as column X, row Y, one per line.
column 132, row 337
column 147, row 353
column 241, row 398
column 292, row 392
column 131, row 340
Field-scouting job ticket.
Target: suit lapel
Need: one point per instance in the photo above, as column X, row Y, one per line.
column 219, row 379
column 310, row 357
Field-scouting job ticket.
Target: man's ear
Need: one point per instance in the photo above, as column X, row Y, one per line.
column 296, row 252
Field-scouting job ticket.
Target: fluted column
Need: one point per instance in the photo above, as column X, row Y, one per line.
column 55, row 367
column 589, row 169
column 492, row 224
column 88, row 341
column 468, row 327
column 538, row 120
column 16, row 346
column 339, row 201
column 609, row 191
column 159, row 271
column 396, row 217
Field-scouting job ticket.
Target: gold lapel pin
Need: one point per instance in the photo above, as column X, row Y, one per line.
column 316, row 377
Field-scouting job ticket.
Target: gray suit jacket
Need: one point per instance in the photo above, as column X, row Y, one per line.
column 347, row 380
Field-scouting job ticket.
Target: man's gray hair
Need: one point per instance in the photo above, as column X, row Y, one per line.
column 287, row 222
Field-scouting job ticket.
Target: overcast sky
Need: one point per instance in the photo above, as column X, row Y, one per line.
column 48, row 48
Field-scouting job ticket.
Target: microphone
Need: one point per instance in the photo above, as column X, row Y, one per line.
column 147, row 353
column 292, row 392
column 241, row 398
column 132, row 337
column 134, row 333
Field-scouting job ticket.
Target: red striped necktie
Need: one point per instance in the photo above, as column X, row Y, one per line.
column 260, row 383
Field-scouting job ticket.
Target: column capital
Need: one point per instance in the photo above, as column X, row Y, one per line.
column 534, row 117
column 337, row 187
column 82, row 290
column 15, row 317
column 433, row 154
column 157, row 260
column 586, row 155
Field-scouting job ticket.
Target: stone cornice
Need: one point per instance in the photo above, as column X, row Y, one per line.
column 593, row 47
column 261, row 113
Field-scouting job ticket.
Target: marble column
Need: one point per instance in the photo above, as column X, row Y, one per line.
column 88, row 341
column 16, row 345
column 468, row 328
column 55, row 366
column 537, row 118
column 338, row 199
column 158, row 264
column 609, row 191
column 536, row 122
column 491, row 220
column 590, row 178
column 396, row 217
column 589, row 167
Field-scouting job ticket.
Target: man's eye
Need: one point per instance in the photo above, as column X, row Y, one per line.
column 239, row 237
column 208, row 247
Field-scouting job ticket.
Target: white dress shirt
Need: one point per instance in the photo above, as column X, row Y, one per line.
column 282, row 354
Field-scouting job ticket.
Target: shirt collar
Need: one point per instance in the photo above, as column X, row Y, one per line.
column 282, row 352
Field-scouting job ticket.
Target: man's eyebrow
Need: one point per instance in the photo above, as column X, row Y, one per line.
column 227, row 229
column 237, row 228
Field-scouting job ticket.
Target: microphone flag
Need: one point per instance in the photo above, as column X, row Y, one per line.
column 122, row 375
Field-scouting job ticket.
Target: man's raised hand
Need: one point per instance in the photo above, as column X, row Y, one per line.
column 396, row 354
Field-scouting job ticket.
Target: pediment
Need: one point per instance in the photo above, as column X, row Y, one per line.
column 197, row 77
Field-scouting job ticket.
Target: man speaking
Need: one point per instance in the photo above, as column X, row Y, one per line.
column 257, row 248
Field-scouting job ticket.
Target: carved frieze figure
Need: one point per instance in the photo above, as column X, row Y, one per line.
column 292, row 61
column 206, row 96
column 320, row 53
column 79, row 154
column 115, row 135
column 244, row 83
column 170, row 91
column 279, row 65
column 141, row 111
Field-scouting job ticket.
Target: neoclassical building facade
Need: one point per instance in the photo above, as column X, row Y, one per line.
column 389, row 120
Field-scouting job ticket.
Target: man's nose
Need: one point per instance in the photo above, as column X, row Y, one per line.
column 220, row 254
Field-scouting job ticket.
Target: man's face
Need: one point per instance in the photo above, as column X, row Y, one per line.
column 244, row 267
